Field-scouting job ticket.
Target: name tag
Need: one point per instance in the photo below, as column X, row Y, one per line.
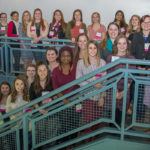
column 44, row 93
column 98, row 35
column 127, row 35
column 81, row 31
column 98, row 75
column 3, row 29
column 123, row 30
column 2, row 107
column 27, row 110
column 33, row 28
column 146, row 46
column 51, row 33
column 78, row 108
column 114, row 58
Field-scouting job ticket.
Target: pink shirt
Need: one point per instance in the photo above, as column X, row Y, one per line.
column 92, row 33
column 75, row 31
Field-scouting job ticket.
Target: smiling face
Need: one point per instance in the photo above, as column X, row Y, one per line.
column 26, row 17
column 92, row 50
column 37, row 15
column 146, row 24
column 65, row 57
column 113, row 31
column 51, row 56
column 42, row 72
column 3, row 18
column 30, row 72
column 77, row 16
column 57, row 16
column 95, row 18
column 82, row 42
column 122, row 46
column 15, row 17
column 5, row 90
column 119, row 16
column 135, row 21
column 19, row 86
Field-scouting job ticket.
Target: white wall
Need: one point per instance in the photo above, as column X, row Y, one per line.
column 106, row 8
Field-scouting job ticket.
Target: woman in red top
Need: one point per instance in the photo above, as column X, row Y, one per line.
column 75, row 26
column 13, row 31
column 63, row 74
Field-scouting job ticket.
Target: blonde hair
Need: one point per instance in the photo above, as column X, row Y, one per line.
column 24, row 29
column 86, row 60
column 130, row 27
column 97, row 15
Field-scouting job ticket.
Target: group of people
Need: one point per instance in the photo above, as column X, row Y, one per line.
column 119, row 40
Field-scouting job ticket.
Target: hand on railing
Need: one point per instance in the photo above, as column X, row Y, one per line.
column 98, row 85
column 47, row 100
column 43, row 111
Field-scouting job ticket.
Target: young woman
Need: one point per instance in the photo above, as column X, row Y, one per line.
column 120, row 20
column 106, row 45
column 52, row 56
column 57, row 26
column 90, row 62
column 140, row 44
column 18, row 97
column 30, row 74
column 63, row 74
column 134, row 26
column 75, row 26
column 140, row 48
column 41, row 85
column 5, row 90
column 96, row 31
column 13, row 31
column 26, row 56
column 38, row 29
column 80, row 47
column 3, row 24
column 120, row 50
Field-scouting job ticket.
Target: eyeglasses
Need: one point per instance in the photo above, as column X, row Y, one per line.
column 31, row 70
column 3, row 17
column 146, row 22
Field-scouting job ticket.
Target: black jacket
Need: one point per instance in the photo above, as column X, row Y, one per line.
column 137, row 46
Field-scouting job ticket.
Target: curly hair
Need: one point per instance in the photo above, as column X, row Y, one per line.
column 25, row 90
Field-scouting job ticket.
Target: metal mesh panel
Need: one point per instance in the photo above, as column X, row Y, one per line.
column 75, row 116
column 143, row 104
column 46, row 128
column 8, row 142
column 140, row 109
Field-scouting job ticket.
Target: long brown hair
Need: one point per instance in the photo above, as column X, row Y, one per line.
column 86, row 60
column 25, row 91
column 115, row 49
column 62, row 19
column 73, row 21
column 130, row 27
column 37, row 86
column 24, row 29
column 122, row 22
column 103, row 43
column 4, row 83
column 77, row 48
column 41, row 21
